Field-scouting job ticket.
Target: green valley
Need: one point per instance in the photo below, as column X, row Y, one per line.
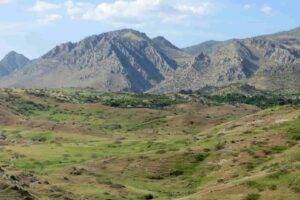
column 86, row 144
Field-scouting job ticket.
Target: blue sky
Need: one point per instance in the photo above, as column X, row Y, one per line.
column 33, row 27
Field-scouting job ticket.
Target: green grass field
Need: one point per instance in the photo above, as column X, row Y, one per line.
column 76, row 144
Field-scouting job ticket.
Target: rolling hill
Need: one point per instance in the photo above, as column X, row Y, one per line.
column 83, row 144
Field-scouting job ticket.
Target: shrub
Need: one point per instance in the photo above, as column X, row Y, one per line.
column 220, row 145
column 201, row 156
column 161, row 151
column 155, row 177
column 278, row 149
column 112, row 127
column 273, row 187
column 278, row 174
column 294, row 133
column 41, row 137
column 253, row 184
column 252, row 196
column 250, row 166
column 177, row 173
column 148, row 196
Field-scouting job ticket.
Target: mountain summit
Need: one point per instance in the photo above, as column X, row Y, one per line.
column 12, row 62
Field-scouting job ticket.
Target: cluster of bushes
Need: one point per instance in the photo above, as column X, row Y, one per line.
column 262, row 101
column 24, row 106
column 137, row 100
column 28, row 107
column 125, row 100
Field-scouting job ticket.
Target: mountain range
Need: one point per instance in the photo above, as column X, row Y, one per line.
column 129, row 61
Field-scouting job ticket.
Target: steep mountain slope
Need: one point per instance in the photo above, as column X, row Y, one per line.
column 12, row 62
column 270, row 62
column 182, row 58
column 124, row 60
column 129, row 61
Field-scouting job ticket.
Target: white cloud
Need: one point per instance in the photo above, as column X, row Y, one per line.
column 49, row 18
column 201, row 9
column 137, row 11
column 4, row 1
column 41, row 6
column 267, row 10
column 247, row 6
column 77, row 10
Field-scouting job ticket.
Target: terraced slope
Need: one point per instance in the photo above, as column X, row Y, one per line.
column 68, row 144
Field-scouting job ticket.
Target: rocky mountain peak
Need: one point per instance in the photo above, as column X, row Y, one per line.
column 122, row 35
column 161, row 41
column 94, row 42
column 11, row 62
column 12, row 55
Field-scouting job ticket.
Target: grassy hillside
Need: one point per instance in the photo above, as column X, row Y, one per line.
column 83, row 144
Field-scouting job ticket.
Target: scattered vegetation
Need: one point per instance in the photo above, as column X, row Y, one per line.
column 122, row 100
column 125, row 146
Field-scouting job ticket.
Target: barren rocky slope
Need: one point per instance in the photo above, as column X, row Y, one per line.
column 270, row 62
column 129, row 61
column 124, row 60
